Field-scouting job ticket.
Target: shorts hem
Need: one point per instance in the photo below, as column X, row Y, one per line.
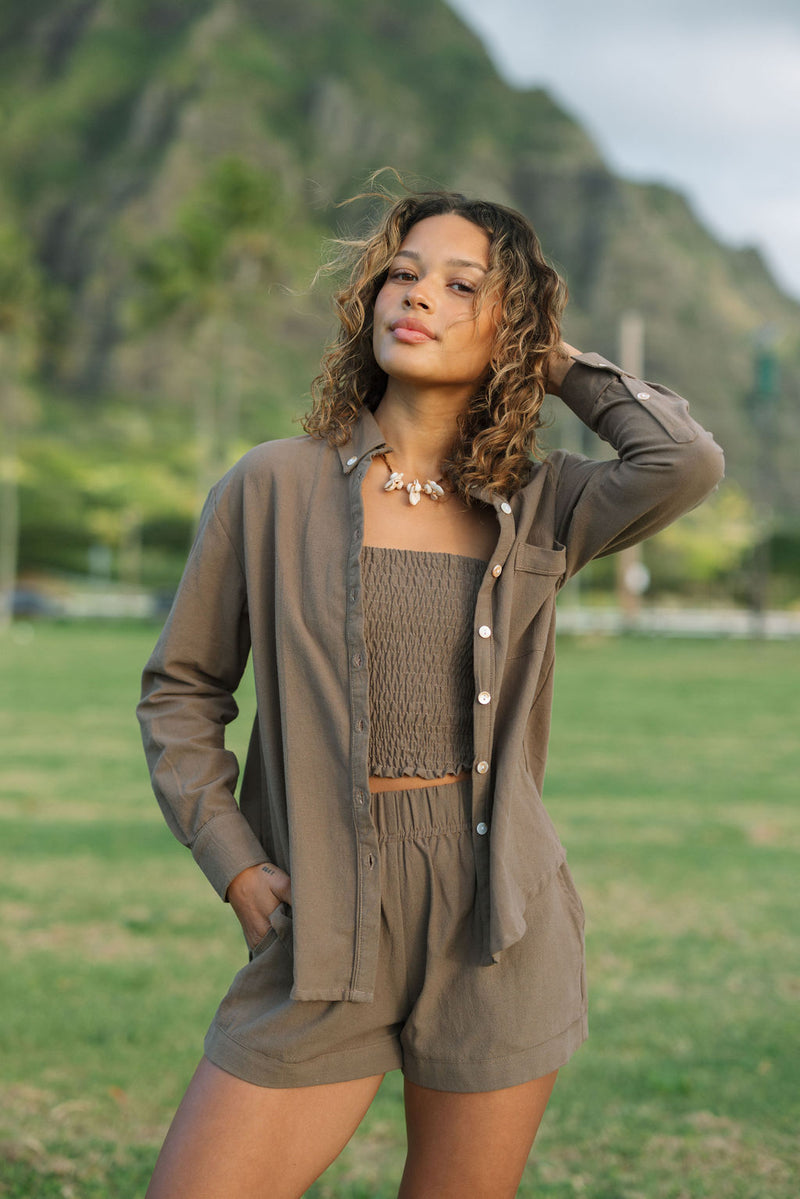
column 494, row 1074
column 262, row 1070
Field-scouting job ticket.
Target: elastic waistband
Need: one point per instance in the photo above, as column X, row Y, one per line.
column 422, row 811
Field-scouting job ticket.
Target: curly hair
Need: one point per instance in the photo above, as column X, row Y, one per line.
column 496, row 439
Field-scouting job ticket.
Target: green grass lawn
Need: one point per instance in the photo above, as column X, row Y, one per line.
column 673, row 773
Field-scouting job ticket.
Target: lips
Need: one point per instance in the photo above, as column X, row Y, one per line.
column 411, row 331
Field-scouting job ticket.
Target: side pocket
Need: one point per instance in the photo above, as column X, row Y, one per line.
column 280, row 929
column 269, row 936
column 282, row 923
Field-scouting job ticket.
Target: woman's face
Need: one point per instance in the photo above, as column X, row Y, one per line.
column 428, row 328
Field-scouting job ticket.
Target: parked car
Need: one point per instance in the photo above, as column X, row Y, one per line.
column 27, row 604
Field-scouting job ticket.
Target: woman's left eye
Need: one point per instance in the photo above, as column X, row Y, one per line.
column 466, row 288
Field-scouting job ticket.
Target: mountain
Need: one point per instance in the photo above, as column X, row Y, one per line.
column 171, row 168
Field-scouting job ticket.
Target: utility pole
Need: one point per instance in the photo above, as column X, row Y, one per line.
column 632, row 575
column 761, row 408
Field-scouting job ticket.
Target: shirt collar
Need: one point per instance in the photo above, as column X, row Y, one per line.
column 366, row 438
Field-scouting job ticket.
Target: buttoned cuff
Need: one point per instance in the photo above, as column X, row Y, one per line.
column 593, row 386
column 226, row 846
column 585, row 382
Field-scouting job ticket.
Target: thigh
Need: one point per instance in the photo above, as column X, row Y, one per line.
column 232, row 1138
column 472, row 1144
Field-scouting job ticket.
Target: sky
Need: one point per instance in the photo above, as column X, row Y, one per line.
column 703, row 95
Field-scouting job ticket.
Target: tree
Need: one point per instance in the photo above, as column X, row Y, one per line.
column 19, row 288
column 200, row 278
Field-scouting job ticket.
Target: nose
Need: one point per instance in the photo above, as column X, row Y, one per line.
column 417, row 297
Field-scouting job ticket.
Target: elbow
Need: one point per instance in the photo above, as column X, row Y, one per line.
column 711, row 465
column 147, row 697
column 702, row 468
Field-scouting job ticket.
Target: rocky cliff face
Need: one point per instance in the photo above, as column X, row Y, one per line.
column 176, row 165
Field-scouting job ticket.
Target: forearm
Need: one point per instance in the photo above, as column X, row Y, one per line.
column 667, row 463
column 188, row 700
column 194, row 775
column 643, row 422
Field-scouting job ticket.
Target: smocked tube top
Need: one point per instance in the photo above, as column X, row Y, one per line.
column 419, row 608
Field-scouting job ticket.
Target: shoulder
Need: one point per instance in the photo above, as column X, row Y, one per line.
column 274, row 474
column 536, row 503
column 279, row 458
column 548, row 471
column 280, row 461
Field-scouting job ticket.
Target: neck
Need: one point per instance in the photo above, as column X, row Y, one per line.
column 420, row 426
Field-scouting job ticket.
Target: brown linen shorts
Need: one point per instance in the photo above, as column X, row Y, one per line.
column 449, row 1022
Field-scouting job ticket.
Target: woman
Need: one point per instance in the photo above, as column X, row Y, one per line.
column 403, row 893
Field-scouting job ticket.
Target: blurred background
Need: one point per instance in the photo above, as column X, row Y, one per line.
column 170, row 171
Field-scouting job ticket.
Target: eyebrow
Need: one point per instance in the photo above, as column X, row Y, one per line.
column 450, row 261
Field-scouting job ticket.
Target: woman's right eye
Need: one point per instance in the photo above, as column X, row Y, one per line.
column 403, row 274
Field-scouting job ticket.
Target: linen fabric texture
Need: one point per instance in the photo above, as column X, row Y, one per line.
column 450, row 1023
column 276, row 566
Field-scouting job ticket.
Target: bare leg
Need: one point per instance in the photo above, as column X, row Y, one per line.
column 475, row 1144
column 232, row 1139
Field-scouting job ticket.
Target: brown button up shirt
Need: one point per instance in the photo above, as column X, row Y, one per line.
column 275, row 568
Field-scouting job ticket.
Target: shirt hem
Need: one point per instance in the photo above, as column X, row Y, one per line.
column 331, row 994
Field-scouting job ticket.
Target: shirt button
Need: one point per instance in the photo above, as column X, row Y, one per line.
column 484, row 697
column 352, row 461
column 643, row 395
column 497, row 570
column 357, row 660
column 482, row 767
column 484, row 631
column 360, row 725
column 359, row 798
column 482, row 829
column 505, row 507
column 353, row 595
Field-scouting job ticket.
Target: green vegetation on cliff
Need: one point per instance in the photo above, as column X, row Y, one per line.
column 169, row 170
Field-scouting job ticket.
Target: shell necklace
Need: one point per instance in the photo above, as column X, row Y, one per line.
column 432, row 488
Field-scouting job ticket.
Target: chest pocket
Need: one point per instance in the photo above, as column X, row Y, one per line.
column 537, row 574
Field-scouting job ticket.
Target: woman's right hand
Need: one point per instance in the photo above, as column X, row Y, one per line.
column 254, row 895
column 558, row 364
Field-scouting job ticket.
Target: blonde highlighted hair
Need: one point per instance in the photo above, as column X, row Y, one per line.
column 496, row 439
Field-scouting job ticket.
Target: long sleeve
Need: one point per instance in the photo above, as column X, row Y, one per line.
column 187, row 700
column 667, row 463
